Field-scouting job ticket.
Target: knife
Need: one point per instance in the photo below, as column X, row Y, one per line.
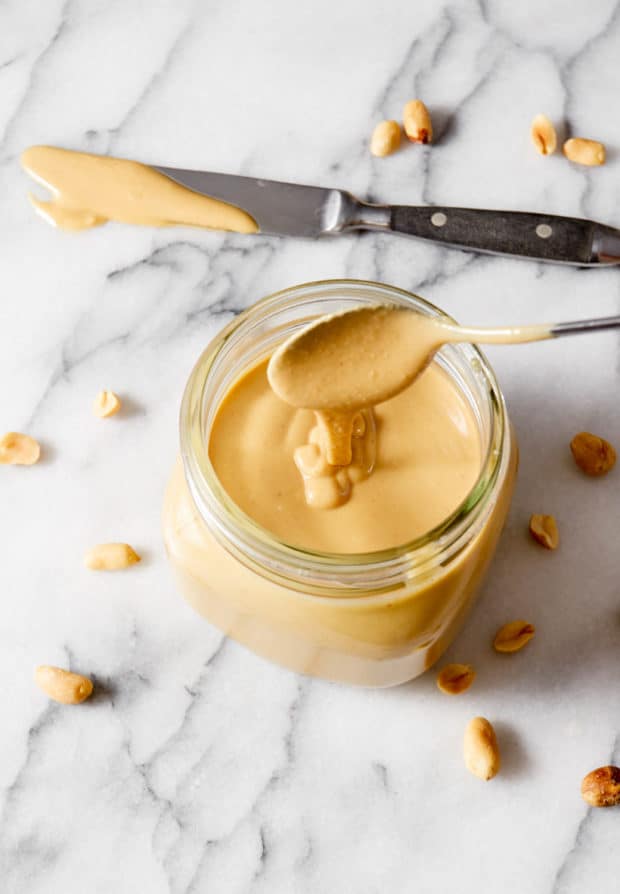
column 290, row 209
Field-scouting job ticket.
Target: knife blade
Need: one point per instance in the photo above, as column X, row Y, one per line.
column 291, row 209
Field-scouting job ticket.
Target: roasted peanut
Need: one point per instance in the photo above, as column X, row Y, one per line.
column 480, row 749
column 107, row 403
column 385, row 138
column 19, row 450
column 543, row 135
column 417, row 122
column 601, row 787
column 63, row 685
column 544, row 530
column 455, row 678
column 513, row 636
column 110, row 557
column 584, row 152
column 595, row 456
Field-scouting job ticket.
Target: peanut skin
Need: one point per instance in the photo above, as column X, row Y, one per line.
column 453, row 679
column 513, row 636
column 594, row 455
column 417, row 122
column 601, row 787
column 544, row 530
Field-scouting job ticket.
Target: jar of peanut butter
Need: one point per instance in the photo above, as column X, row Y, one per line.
column 372, row 588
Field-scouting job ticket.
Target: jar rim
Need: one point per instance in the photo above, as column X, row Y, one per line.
column 313, row 569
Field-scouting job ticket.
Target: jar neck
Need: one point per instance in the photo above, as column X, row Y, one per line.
column 252, row 337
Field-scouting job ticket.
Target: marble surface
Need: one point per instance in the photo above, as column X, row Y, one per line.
column 198, row 767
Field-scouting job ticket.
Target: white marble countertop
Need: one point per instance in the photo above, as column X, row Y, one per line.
column 198, row 767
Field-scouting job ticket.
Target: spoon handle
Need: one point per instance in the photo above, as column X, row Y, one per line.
column 576, row 326
column 523, row 334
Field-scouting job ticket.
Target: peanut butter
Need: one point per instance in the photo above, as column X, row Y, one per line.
column 428, row 457
column 89, row 190
column 366, row 356
column 414, row 458
column 351, row 361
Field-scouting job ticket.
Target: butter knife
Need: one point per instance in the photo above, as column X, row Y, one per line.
column 290, row 209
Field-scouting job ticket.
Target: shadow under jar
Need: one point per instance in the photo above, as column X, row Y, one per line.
column 372, row 619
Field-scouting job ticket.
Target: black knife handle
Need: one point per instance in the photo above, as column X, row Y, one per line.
column 543, row 237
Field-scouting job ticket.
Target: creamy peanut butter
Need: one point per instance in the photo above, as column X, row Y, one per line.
column 346, row 362
column 326, row 484
column 89, row 190
column 426, row 459
column 413, row 459
column 366, row 356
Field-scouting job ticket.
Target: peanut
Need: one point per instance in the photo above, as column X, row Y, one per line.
column 19, row 450
column 110, row 557
column 543, row 135
column 107, row 403
column 417, row 122
column 544, row 530
column 584, row 152
column 513, row 636
column 601, row 787
column 595, row 456
column 480, row 749
column 63, row 685
column 385, row 138
column 455, row 678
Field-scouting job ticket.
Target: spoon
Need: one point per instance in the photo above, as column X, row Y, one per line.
column 364, row 356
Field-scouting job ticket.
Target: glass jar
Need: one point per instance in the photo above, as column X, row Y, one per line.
column 375, row 619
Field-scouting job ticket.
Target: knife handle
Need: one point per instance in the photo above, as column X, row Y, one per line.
column 543, row 237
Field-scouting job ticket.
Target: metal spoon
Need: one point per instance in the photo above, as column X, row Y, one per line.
column 367, row 355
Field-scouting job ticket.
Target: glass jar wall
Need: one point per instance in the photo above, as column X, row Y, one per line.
column 374, row 619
